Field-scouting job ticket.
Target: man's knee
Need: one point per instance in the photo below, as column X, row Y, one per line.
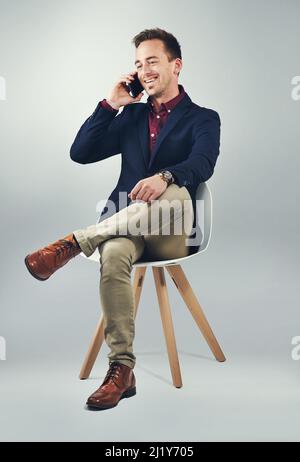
column 116, row 252
column 173, row 191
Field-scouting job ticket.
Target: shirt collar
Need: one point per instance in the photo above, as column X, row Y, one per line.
column 169, row 105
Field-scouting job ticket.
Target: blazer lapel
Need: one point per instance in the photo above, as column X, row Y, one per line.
column 143, row 129
column 173, row 118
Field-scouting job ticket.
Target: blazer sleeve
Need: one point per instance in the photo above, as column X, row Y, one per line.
column 199, row 166
column 98, row 137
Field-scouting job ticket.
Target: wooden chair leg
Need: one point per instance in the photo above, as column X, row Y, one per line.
column 184, row 288
column 93, row 350
column 98, row 338
column 167, row 323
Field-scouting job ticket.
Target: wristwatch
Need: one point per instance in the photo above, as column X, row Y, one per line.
column 166, row 176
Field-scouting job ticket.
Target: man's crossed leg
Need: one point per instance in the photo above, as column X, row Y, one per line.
column 164, row 223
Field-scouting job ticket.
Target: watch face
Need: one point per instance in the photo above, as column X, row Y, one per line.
column 167, row 176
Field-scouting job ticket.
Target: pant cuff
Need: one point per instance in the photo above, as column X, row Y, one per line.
column 123, row 361
column 83, row 243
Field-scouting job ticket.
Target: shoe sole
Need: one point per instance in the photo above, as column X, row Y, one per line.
column 126, row 394
column 32, row 274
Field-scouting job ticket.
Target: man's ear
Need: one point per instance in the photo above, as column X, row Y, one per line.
column 178, row 66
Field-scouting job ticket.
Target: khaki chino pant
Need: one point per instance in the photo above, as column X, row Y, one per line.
column 158, row 230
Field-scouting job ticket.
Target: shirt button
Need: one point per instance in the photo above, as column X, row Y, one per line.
column 152, row 134
column 169, row 110
column 158, row 117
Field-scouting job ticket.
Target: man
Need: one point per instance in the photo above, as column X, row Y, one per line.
column 169, row 145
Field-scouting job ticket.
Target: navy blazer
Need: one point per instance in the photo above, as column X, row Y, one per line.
column 187, row 145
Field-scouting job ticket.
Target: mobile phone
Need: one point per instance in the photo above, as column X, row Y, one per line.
column 135, row 87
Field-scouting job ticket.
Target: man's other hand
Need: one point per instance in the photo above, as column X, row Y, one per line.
column 148, row 189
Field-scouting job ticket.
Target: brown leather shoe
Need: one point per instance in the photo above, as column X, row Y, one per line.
column 119, row 383
column 44, row 262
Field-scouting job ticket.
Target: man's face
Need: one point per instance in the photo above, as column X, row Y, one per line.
column 151, row 61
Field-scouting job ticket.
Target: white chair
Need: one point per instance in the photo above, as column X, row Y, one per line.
column 204, row 223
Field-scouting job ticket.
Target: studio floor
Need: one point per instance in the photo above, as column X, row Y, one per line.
column 242, row 399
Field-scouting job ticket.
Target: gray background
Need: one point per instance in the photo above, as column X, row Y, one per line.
column 59, row 59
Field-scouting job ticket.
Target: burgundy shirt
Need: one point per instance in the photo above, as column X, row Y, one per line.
column 157, row 119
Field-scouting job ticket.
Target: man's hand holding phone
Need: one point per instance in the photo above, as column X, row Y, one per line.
column 119, row 95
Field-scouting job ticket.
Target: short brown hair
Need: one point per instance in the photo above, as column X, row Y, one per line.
column 171, row 44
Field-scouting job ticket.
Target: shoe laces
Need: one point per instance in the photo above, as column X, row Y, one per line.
column 63, row 247
column 113, row 373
